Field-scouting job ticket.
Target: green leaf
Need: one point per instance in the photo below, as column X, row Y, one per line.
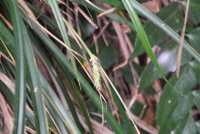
column 194, row 10
column 20, row 90
column 127, row 74
column 196, row 96
column 198, row 126
column 111, row 2
column 69, row 123
column 137, row 108
column 142, row 10
column 112, row 16
column 187, row 126
column 143, row 37
column 117, row 2
column 60, row 21
column 108, row 56
column 35, row 85
column 167, row 61
column 78, row 96
column 55, row 116
column 175, row 104
column 125, row 120
column 172, row 16
column 87, row 29
column 85, row 85
column 174, row 113
column 196, row 67
column 7, row 37
column 58, row 80
column 194, row 39
column 9, row 41
column 58, row 106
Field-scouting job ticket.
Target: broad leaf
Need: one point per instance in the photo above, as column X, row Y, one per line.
column 196, row 96
column 194, row 9
column 164, row 27
column 198, row 126
column 167, row 61
column 194, row 39
column 187, row 126
column 196, row 67
column 175, row 103
column 108, row 56
column 172, row 16
column 143, row 37
column 127, row 74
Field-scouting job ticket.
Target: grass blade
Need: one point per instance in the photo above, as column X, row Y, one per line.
column 36, row 90
column 59, row 20
column 164, row 27
column 112, row 16
column 19, row 105
column 55, row 116
column 142, row 35
column 77, row 94
column 59, row 82
column 58, row 107
column 86, row 86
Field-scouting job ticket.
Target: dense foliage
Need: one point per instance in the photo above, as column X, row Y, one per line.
column 99, row 66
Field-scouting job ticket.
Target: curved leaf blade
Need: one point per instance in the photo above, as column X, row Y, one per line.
column 143, row 37
column 164, row 27
column 19, row 99
column 86, row 86
column 172, row 16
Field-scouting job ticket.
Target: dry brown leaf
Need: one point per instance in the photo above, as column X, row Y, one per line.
column 152, row 6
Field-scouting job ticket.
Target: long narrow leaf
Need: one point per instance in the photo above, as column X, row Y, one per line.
column 58, row 107
column 77, row 94
column 37, row 97
column 163, row 26
column 93, row 96
column 55, row 117
column 59, row 20
column 19, row 106
column 7, row 37
column 59, row 82
column 142, row 35
column 94, row 62
column 112, row 16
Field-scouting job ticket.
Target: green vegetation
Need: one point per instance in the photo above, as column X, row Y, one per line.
column 64, row 69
